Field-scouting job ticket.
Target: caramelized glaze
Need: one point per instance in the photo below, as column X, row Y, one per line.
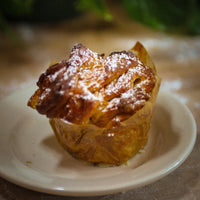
column 87, row 88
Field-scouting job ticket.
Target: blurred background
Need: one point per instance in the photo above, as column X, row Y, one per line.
column 33, row 33
column 36, row 32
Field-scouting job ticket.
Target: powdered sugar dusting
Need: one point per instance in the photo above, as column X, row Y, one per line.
column 119, row 84
column 53, row 77
column 118, row 60
column 45, row 93
column 81, row 55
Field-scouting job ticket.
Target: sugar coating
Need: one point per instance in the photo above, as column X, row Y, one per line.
column 95, row 87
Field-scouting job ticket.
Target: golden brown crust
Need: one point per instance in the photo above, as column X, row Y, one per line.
column 100, row 109
column 113, row 146
column 89, row 89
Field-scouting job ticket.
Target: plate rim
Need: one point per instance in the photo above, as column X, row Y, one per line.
column 126, row 187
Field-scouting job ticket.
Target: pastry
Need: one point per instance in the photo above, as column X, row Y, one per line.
column 100, row 108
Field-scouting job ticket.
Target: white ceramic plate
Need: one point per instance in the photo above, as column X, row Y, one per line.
column 30, row 155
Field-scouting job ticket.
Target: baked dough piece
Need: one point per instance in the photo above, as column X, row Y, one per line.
column 100, row 109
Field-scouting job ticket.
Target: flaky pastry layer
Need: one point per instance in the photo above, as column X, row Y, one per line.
column 100, row 109
column 87, row 88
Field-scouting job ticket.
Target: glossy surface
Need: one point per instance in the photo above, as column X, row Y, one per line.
column 31, row 157
column 87, row 88
column 111, row 124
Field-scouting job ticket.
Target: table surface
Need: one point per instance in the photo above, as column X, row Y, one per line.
column 175, row 56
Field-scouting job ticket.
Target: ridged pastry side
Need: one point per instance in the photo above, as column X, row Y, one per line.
column 119, row 140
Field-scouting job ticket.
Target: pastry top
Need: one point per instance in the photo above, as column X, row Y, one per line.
column 88, row 88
